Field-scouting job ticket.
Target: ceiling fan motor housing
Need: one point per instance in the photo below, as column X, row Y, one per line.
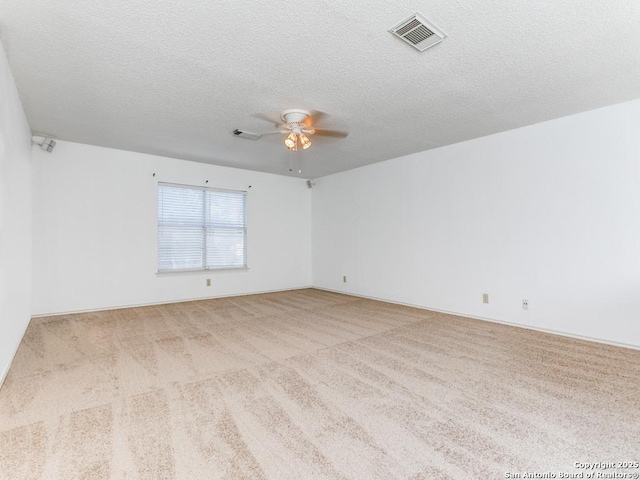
column 295, row 116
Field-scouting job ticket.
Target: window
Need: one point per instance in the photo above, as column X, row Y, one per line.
column 201, row 228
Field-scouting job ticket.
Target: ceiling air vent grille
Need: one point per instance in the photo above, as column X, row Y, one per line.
column 417, row 31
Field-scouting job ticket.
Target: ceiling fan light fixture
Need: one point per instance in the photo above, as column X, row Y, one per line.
column 291, row 142
column 304, row 141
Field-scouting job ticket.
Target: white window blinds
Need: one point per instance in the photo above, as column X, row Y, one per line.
column 200, row 228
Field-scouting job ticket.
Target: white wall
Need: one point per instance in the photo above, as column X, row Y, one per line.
column 95, row 230
column 548, row 213
column 15, row 218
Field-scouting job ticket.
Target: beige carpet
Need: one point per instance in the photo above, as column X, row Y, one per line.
column 309, row 385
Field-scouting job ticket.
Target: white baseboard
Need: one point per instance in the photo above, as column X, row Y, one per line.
column 5, row 372
column 492, row 320
column 119, row 307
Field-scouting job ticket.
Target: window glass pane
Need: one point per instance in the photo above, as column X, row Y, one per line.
column 225, row 209
column 180, row 206
column 225, row 247
column 179, row 248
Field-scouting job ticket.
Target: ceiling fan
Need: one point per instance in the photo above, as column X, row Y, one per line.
column 298, row 124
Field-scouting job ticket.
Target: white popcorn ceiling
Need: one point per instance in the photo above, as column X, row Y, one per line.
column 174, row 78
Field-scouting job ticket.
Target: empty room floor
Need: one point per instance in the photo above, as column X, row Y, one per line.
column 309, row 384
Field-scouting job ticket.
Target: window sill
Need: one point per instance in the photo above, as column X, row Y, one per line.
column 212, row 271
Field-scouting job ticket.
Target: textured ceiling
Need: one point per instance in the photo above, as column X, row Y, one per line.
column 174, row 78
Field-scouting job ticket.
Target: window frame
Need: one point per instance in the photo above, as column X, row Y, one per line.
column 204, row 228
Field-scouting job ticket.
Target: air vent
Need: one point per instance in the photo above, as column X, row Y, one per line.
column 247, row 135
column 418, row 32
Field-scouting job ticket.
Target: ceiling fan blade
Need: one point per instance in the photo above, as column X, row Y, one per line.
column 275, row 132
column 323, row 132
column 267, row 118
column 314, row 117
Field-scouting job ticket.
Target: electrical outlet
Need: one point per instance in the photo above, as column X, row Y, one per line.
column 485, row 298
column 525, row 304
column 208, row 282
column 344, row 279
